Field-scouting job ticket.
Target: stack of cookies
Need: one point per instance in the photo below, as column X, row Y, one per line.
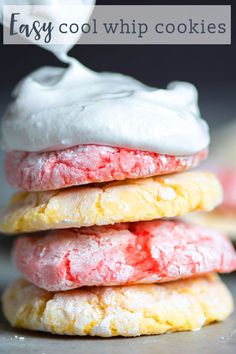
column 103, row 253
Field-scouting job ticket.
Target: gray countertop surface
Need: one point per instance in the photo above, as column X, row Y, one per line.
column 217, row 338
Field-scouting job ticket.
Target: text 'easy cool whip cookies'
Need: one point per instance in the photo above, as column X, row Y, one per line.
column 99, row 160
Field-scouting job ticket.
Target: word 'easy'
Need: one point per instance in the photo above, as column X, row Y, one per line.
column 36, row 30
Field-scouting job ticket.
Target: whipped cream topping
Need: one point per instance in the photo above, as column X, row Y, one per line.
column 55, row 108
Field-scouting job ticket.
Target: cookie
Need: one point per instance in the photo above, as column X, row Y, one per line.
column 219, row 220
column 143, row 252
column 222, row 219
column 127, row 311
column 227, row 177
column 85, row 164
column 109, row 203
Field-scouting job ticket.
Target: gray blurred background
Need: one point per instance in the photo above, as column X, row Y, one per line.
column 211, row 68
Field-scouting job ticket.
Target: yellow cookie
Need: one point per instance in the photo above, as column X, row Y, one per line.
column 126, row 311
column 220, row 220
column 109, row 203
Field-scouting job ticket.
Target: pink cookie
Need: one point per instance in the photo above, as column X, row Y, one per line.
column 142, row 252
column 227, row 178
column 84, row 164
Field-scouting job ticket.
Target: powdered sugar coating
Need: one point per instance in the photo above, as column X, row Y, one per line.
column 131, row 253
column 85, row 164
column 108, row 203
column 119, row 311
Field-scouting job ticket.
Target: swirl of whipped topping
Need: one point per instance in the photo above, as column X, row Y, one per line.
column 32, row 13
column 55, row 108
